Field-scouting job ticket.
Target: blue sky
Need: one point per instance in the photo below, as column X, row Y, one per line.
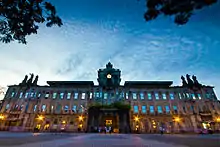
column 96, row 31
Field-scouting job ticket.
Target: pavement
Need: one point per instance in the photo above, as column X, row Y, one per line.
column 106, row 140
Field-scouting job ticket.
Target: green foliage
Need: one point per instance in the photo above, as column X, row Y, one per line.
column 180, row 9
column 20, row 18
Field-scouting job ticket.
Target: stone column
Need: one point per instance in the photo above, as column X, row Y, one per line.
column 194, row 124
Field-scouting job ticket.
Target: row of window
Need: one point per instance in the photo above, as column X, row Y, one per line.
column 81, row 108
column 105, row 95
column 44, row 107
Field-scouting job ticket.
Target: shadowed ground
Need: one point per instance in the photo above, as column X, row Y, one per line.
column 106, row 140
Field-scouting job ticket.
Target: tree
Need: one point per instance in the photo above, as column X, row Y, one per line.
column 180, row 9
column 20, row 18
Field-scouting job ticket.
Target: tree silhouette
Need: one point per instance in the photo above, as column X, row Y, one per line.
column 180, row 9
column 20, row 18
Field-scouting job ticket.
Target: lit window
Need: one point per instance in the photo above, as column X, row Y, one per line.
column 35, row 94
column 74, row 108
column 175, row 109
column 167, row 108
column 47, row 95
column 122, row 95
column 76, row 95
column 134, row 95
column 187, row 95
column 164, row 96
column 68, row 95
column 193, row 96
column 97, row 94
column 52, row 108
column 26, row 95
column 180, row 97
column 126, row 95
column 21, row 94
column 157, row 96
column 35, row 107
column 151, row 109
column 149, row 96
column 43, row 107
column 135, row 109
column 159, row 109
column 61, row 95
column 144, row 109
column 66, row 108
column 16, row 107
column 83, row 95
column 142, row 96
column 207, row 95
column 171, row 96
column 39, row 95
column 12, row 94
column 21, row 107
column 7, row 107
column 32, row 94
column 90, row 95
column 199, row 96
column 105, row 95
column 54, row 95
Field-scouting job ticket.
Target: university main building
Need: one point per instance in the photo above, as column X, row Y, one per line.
column 81, row 106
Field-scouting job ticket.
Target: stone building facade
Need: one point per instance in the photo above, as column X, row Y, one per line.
column 64, row 105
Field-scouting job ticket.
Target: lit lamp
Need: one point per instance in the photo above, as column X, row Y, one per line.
column 40, row 117
column 136, row 118
column 2, row 117
column 80, row 118
column 177, row 119
column 218, row 119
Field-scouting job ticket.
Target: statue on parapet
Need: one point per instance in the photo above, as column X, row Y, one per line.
column 35, row 81
column 184, row 83
column 29, row 82
column 24, row 82
column 189, row 81
column 195, row 81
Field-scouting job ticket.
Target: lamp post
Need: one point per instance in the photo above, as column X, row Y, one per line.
column 177, row 120
column 217, row 120
column 137, row 127
column 38, row 126
column 80, row 123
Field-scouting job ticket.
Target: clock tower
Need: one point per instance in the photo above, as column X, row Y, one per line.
column 109, row 77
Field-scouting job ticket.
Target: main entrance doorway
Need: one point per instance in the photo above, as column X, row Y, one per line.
column 108, row 118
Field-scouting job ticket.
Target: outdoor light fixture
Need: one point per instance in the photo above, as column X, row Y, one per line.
column 177, row 119
column 80, row 118
column 2, row 117
column 40, row 117
column 136, row 118
column 218, row 119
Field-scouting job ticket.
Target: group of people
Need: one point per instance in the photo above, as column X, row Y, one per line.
column 106, row 129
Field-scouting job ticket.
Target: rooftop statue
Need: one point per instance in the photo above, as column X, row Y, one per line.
column 195, row 81
column 189, row 81
column 24, row 82
column 35, row 80
column 184, row 83
column 29, row 82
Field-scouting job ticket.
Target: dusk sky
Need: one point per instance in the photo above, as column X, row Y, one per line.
column 96, row 31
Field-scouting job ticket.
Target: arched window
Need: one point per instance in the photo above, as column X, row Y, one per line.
column 58, row 108
column 7, row 107
column 66, row 108
column 44, row 107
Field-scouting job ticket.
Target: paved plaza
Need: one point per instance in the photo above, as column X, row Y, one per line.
column 106, row 140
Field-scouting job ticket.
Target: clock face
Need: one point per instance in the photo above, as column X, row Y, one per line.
column 109, row 76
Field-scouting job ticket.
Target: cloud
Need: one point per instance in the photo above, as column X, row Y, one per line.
column 78, row 49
